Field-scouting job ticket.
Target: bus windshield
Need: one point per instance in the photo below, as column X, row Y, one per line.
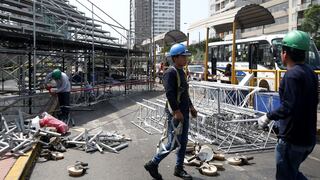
column 312, row 58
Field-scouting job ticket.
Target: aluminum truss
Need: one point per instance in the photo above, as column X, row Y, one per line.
column 226, row 117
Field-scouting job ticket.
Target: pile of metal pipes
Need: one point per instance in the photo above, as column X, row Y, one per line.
column 99, row 141
column 18, row 137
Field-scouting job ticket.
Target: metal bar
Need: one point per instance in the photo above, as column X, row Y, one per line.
column 206, row 55
column 21, row 120
column 78, row 136
column 34, row 47
column 108, row 147
column 93, row 52
column 121, row 146
column 76, row 142
column 94, row 137
column 5, row 147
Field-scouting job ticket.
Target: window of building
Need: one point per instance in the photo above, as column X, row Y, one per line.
column 279, row 7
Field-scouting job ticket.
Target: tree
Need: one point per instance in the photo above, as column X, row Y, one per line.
column 198, row 49
column 311, row 23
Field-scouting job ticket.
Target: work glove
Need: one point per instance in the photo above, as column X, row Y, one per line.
column 177, row 115
column 48, row 87
column 263, row 121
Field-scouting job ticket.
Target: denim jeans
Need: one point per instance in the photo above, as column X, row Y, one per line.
column 183, row 139
column 288, row 160
column 64, row 102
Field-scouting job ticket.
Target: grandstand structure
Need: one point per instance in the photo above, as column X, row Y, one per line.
column 38, row 36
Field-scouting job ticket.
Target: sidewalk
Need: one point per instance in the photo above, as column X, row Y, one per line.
column 6, row 164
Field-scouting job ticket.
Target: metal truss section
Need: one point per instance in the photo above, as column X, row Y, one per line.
column 149, row 118
column 226, row 117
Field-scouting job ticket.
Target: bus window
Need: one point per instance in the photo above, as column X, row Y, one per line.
column 312, row 58
column 215, row 53
column 253, row 55
column 264, row 55
column 221, row 54
column 242, row 52
column 276, row 48
column 228, row 53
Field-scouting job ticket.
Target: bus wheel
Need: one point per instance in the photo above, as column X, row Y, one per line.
column 264, row 84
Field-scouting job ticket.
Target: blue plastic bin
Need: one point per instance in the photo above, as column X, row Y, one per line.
column 266, row 102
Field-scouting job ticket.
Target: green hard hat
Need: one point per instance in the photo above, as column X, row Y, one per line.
column 56, row 74
column 297, row 39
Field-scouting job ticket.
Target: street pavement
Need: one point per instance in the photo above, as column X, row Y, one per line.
column 116, row 115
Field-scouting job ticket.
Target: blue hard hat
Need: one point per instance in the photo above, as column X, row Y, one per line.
column 179, row 49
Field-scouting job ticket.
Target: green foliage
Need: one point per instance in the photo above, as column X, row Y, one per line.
column 199, row 49
column 194, row 48
column 311, row 23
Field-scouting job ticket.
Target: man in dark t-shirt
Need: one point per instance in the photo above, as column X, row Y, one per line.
column 297, row 113
column 177, row 109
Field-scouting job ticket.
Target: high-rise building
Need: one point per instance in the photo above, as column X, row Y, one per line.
column 288, row 15
column 154, row 17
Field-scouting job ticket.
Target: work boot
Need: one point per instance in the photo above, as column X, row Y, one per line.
column 180, row 172
column 152, row 168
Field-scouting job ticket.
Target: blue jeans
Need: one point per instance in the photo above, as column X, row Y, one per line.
column 183, row 139
column 288, row 160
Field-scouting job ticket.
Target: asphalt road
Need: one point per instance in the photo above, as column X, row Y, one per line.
column 116, row 115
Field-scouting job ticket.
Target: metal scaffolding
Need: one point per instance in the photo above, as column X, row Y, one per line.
column 38, row 36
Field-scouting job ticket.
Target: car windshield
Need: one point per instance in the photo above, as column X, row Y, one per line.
column 312, row 58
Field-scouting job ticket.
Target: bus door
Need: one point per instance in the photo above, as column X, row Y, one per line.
column 253, row 56
column 214, row 59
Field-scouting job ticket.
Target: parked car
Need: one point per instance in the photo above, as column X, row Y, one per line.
column 195, row 72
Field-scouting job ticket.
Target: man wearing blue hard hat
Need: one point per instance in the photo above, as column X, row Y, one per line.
column 177, row 109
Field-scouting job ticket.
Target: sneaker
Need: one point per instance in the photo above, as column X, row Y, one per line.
column 180, row 172
column 152, row 168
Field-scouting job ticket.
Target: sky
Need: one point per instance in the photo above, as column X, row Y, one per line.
column 191, row 10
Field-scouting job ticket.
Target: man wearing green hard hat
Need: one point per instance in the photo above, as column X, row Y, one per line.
column 297, row 114
column 63, row 90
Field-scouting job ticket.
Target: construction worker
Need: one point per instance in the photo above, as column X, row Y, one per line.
column 297, row 113
column 227, row 71
column 63, row 90
column 177, row 109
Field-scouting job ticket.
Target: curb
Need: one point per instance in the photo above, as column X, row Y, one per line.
column 24, row 164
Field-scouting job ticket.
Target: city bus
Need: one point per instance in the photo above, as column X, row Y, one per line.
column 261, row 53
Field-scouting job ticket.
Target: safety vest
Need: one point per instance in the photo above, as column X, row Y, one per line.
column 178, row 90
